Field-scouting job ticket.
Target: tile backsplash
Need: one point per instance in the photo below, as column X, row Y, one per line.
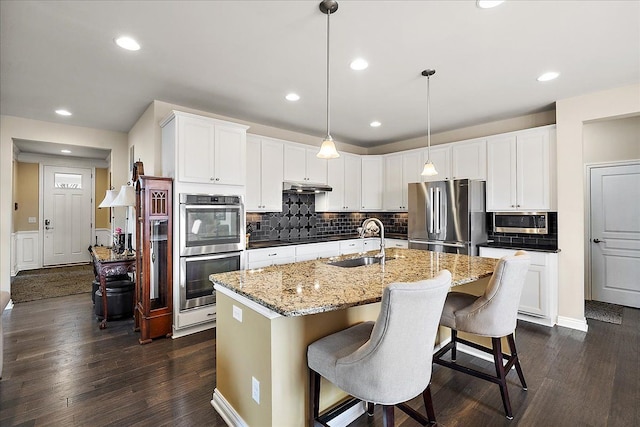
column 550, row 239
column 299, row 220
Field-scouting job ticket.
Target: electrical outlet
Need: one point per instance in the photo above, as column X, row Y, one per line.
column 32, row 220
column 255, row 389
column 237, row 313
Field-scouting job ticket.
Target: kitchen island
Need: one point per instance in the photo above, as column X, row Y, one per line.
column 266, row 318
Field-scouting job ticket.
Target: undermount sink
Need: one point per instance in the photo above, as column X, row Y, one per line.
column 356, row 262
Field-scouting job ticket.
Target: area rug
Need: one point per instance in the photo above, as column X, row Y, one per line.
column 605, row 312
column 31, row 285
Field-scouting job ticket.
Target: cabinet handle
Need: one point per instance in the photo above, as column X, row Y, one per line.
column 272, row 254
column 217, row 179
column 211, row 314
column 211, row 179
column 518, row 206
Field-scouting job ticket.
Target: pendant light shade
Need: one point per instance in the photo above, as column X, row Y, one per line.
column 328, row 148
column 108, row 199
column 429, row 168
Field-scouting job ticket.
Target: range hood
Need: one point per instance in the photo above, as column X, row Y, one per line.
column 304, row 187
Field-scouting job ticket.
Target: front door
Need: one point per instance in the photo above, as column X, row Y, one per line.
column 615, row 234
column 67, row 214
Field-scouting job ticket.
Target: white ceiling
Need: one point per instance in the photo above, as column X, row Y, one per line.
column 240, row 58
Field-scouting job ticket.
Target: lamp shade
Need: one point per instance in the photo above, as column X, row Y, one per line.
column 126, row 197
column 328, row 149
column 108, row 199
column 429, row 169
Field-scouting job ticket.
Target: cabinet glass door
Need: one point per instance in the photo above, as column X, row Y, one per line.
column 158, row 274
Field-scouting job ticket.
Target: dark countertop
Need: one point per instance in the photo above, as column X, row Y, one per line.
column 516, row 246
column 302, row 241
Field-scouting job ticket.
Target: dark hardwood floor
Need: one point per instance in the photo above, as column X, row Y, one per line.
column 60, row 369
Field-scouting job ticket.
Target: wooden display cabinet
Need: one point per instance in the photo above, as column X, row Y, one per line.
column 154, row 260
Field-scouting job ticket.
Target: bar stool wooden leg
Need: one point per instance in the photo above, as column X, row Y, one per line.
column 428, row 404
column 454, row 337
column 388, row 416
column 502, row 381
column 514, row 356
column 370, row 409
column 314, row 396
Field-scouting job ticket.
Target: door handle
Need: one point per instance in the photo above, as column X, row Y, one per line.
column 598, row 241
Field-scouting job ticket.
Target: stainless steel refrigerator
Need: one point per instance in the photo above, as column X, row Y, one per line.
column 447, row 216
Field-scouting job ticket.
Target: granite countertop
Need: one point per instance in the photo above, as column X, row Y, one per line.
column 522, row 246
column 315, row 286
column 319, row 239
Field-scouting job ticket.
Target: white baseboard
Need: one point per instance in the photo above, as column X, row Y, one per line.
column 544, row 321
column 226, row 411
column 183, row 332
column 348, row 416
column 570, row 322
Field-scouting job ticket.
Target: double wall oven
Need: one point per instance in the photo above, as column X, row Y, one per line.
column 212, row 239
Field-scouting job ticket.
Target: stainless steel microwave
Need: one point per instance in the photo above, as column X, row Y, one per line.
column 521, row 222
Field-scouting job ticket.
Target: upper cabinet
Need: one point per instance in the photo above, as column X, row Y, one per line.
column 265, row 163
column 400, row 170
column 302, row 165
column 203, row 150
column 372, row 174
column 469, row 159
column 344, row 176
column 521, row 171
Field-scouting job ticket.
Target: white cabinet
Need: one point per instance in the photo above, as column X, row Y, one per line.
column 396, row 243
column 371, row 183
column 400, row 170
column 371, row 244
column 264, row 174
column 302, row 165
column 203, row 150
column 259, row 258
column 352, row 246
column 469, row 159
column 441, row 159
column 344, row 176
column 317, row 250
column 521, row 171
column 539, row 300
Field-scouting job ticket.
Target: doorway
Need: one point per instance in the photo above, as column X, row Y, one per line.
column 67, row 205
column 614, row 240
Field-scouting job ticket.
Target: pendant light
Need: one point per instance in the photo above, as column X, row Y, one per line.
column 328, row 148
column 429, row 169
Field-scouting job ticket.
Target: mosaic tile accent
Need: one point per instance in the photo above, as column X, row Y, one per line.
column 299, row 220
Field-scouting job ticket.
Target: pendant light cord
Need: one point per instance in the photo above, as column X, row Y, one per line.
column 428, row 119
column 328, row 76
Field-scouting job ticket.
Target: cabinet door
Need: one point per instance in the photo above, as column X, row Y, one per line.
column 371, row 182
column 253, row 200
column 352, row 182
column 195, row 150
column 348, row 247
column 230, row 151
column 469, row 160
column 295, row 159
column 392, row 197
column 441, row 158
column 271, row 169
column 316, row 168
column 533, row 298
column 333, row 201
column 412, row 166
column 533, row 191
column 501, row 174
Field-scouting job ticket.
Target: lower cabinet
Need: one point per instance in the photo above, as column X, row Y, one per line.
column 539, row 300
column 352, row 246
column 313, row 251
column 259, row 258
column 396, row 243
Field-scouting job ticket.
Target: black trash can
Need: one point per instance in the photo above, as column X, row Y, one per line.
column 119, row 300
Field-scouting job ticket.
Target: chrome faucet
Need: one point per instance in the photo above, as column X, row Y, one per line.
column 363, row 231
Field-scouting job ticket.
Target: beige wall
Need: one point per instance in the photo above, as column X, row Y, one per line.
column 101, row 184
column 146, row 138
column 612, row 140
column 486, row 129
column 572, row 114
column 21, row 128
column 27, row 196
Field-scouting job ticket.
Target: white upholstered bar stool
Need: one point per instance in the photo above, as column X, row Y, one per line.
column 387, row 362
column 494, row 315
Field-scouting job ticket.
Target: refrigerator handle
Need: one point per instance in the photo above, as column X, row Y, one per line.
column 438, row 224
column 432, row 209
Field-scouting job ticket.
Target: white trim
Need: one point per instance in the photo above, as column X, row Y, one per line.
column 188, row 330
column 350, row 415
column 258, row 308
column 226, row 411
column 570, row 322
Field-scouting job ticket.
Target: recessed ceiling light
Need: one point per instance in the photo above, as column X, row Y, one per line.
column 292, row 97
column 359, row 64
column 488, row 4
column 548, row 76
column 65, row 151
column 63, row 112
column 127, row 43
column 375, row 124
